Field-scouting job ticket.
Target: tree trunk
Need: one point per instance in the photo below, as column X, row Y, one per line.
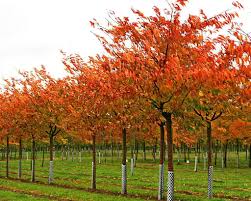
column 210, row 166
column 170, row 190
column 7, row 156
column 124, row 174
column 94, row 162
column 144, row 150
column 161, row 162
column 33, row 160
column 50, row 180
column 20, row 159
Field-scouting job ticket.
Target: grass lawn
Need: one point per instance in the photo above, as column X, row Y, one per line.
column 72, row 181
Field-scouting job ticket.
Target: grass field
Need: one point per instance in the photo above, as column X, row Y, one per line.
column 72, row 181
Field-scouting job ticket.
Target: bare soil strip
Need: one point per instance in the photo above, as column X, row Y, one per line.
column 106, row 192
column 34, row 193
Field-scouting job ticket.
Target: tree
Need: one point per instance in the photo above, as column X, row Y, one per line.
column 165, row 57
column 46, row 97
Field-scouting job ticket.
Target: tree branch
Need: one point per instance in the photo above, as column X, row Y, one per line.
column 199, row 114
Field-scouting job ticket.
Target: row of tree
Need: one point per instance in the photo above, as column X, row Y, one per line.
column 159, row 74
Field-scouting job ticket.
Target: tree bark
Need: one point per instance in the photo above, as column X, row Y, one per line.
column 144, row 150
column 209, row 143
column 169, row 141
column 51, row 159
column 124, row 174
column 161, row 162
column 162, row 140
column 210, row 166
column 170, row 190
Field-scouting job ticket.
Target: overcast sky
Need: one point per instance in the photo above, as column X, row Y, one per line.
column 33, row 31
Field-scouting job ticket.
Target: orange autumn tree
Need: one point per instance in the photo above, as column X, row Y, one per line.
column 225, row 84
column 20, row 116
column 7, row 122
column 87, row 101
column 46, row 95
column 166, row 58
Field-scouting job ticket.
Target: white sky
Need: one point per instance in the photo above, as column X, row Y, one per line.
column 33, row 31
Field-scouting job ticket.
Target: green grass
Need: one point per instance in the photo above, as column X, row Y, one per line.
column 72, row 181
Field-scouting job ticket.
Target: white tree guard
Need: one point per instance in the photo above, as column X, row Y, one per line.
column 124, row 180
column 196, row 164
column 161, row 182
column 27, row 155
column 99, row 159
column 19, row 169
column 32, row 168
column 210, row 182
column 80, row 156
column 170, row 186
column 132, row 166
column 92, row 174
column 50, row 180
